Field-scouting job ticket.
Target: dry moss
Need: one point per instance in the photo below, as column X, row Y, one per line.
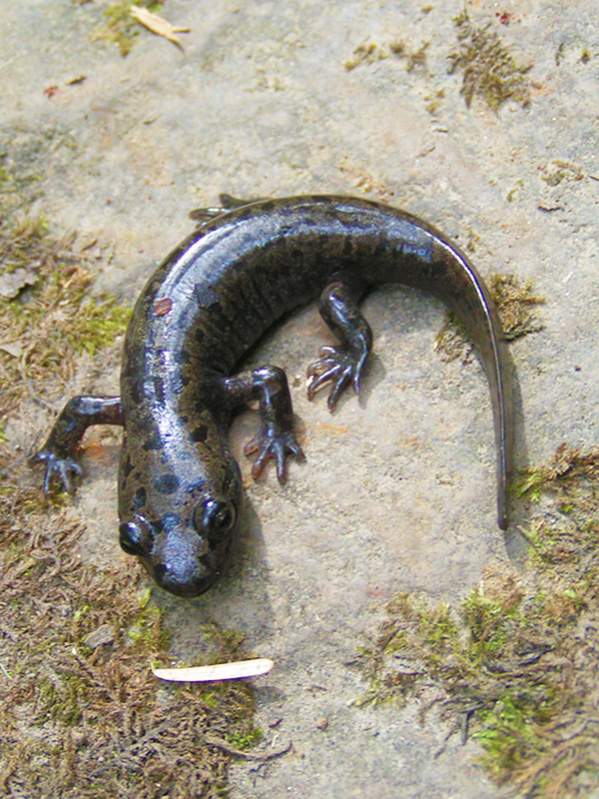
column 370, row 52
column 516, row 305
column 366, row 53
column 559, row 171
column 516, row 662
column 434, row 101
column 93, row 721
column 48, row 317
column 488, row 68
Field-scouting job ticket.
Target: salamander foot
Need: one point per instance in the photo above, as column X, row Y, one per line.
column 57, row 469
column 339, row 366
column 273, row 445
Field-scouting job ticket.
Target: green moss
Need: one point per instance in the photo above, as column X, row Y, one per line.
column 61, row 702
column 488, row 68
column 209, row 698
column 486, row 621
column 514, row 192
column 50, row 318
column 512, row 660
column 246, row 740
column 510, row 735
column 98, row 324
column 568, row 476
column 437, row 628
column 147, row 632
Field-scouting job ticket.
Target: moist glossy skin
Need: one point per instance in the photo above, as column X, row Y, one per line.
column 206, row 305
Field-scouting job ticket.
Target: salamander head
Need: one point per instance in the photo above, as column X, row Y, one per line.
column 183, row 543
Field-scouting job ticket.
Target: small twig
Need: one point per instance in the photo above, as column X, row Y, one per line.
column 468, row 713
column 453, row 728
column 231, row 750
column 29, row 383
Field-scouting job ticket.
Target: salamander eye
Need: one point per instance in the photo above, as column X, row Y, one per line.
column 135, row 537
column 214, row 518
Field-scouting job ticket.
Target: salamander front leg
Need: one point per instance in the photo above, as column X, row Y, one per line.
column 58, row 453
column 275, row 440
column 342, row 365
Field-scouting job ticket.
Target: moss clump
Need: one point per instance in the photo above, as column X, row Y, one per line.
column 366, row 53
column 434, row 101
column 488, row 68
column 516, row 305
column 61, row 702
column 370, row 52
column 48, row 317
column 146, row 629
column 245, row 741
column 559, row 171
column 563, row 473
column 120, row 27
column 516, row 661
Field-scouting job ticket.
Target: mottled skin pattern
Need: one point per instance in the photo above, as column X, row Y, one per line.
column 206, row 305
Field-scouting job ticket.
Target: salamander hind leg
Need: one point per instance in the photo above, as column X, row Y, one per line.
column 342, row 365
column 275, row 440
column 58, row 453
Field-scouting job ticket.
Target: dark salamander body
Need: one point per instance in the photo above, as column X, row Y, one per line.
column 206, row 305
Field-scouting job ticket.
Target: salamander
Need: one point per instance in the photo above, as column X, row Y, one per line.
column 214, row 296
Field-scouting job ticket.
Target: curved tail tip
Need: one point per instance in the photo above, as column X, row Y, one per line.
column 502, row 518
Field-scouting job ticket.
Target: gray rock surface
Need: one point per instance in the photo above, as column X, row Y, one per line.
column 397, row 494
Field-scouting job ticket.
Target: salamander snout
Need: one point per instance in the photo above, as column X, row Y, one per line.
column 183, row 562
column 180, row 579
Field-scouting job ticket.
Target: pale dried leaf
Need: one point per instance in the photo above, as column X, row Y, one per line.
column 158, row 25
column 219, row 671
